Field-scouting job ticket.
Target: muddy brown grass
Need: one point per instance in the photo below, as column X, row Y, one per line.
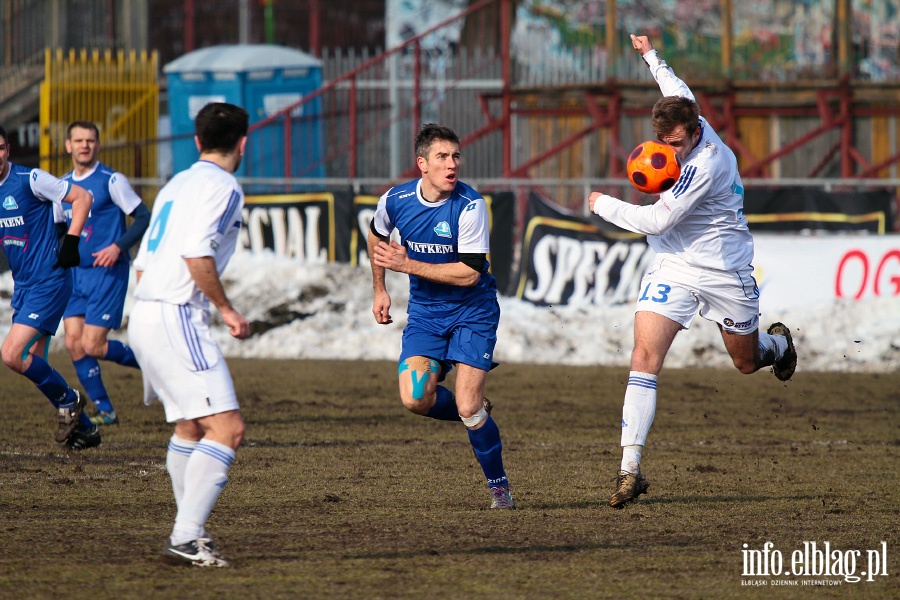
column 338, row 492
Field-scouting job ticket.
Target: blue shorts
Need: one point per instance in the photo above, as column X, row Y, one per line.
column 467, row 335
column 41, row 306
column 98, row 295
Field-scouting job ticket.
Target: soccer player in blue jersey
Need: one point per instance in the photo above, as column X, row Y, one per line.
column 42, row 281
column 101, row 280
column 453, row 312
column 703, row 261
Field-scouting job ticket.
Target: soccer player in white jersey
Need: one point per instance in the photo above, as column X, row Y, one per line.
column 453, row 312
column 193, row 232
column 703, row 261
column 101, row 280
column 42, row 278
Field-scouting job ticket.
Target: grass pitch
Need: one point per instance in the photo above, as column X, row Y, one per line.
column 338, row 492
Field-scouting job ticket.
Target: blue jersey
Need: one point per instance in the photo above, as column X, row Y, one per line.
column 437, row 232
column 27, row 230
column 113, row 199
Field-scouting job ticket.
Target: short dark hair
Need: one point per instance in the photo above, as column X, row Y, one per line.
column 82, row 125
column 220, row 126
column 671, row 111
column 3, row 134
column 429, row 134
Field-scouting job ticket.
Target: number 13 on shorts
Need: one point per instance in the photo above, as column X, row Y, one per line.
column 655, row 292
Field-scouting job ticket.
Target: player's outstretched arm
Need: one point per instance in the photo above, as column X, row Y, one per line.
column 669, row 84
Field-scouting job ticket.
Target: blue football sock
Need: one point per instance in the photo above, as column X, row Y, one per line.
column 84, row 422
column 51, row 383
column 444, row 408
column 488, row 449
column 118, row 352
column 88, row 371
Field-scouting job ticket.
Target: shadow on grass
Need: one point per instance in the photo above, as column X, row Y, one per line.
column 646, row 502
column 500, row 550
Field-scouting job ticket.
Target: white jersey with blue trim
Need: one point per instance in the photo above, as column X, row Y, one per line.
column 701, row 219
column 113, row 199
column 196, row 214
column 27, row 231
column 437, row 233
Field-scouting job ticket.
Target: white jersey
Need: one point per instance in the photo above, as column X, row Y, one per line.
column 701, row 219
column 196, row 214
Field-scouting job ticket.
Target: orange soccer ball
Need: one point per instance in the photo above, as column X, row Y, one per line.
column 653, row 167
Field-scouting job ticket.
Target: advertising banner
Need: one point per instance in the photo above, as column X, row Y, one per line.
column 311, row 227
column 795, row 271
column 812, row 209
column 568, row 259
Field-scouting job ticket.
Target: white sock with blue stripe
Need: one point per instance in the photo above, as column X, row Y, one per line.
column 637, row 417
column 205, row 475
column 176, row 461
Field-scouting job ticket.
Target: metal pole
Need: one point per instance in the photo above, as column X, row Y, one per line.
column 612, row 41
column 394, row 99
column 314, row 19
column 844, row 43
column 244, row 22
column 727, row 38
column 506, row 70
column 188, row 25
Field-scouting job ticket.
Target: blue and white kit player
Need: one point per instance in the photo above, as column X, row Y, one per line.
column 42, row 279
column 101, row 280
column 453, row 313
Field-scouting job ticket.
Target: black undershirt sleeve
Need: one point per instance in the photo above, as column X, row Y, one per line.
column 475, row 261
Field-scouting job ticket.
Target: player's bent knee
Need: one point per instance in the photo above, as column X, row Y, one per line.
column 11, row 359
column 746, row 367
column 475, row 420
column 93, row 349
column 418, row 407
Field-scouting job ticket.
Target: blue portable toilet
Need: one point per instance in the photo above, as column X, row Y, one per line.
column 263, row 79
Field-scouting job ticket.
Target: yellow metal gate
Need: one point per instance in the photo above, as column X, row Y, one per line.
column 119, row 92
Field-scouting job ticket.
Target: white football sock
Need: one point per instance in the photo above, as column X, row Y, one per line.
column 770, row 343
column 205, row 474
column 176, row 460
column 631, row 459
column 637, row 417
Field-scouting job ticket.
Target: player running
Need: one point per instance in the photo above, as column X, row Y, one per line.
column 453, row 309
column 42, row 281
column 704, row 252
column 101, row 280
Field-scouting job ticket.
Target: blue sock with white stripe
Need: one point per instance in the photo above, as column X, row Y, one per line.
column 205, row 475
column 88, row 371
column 444, row 408
column 118, row 352
column 489, row 451
column 50, row 382
column 637, row 417
column 54, row 387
